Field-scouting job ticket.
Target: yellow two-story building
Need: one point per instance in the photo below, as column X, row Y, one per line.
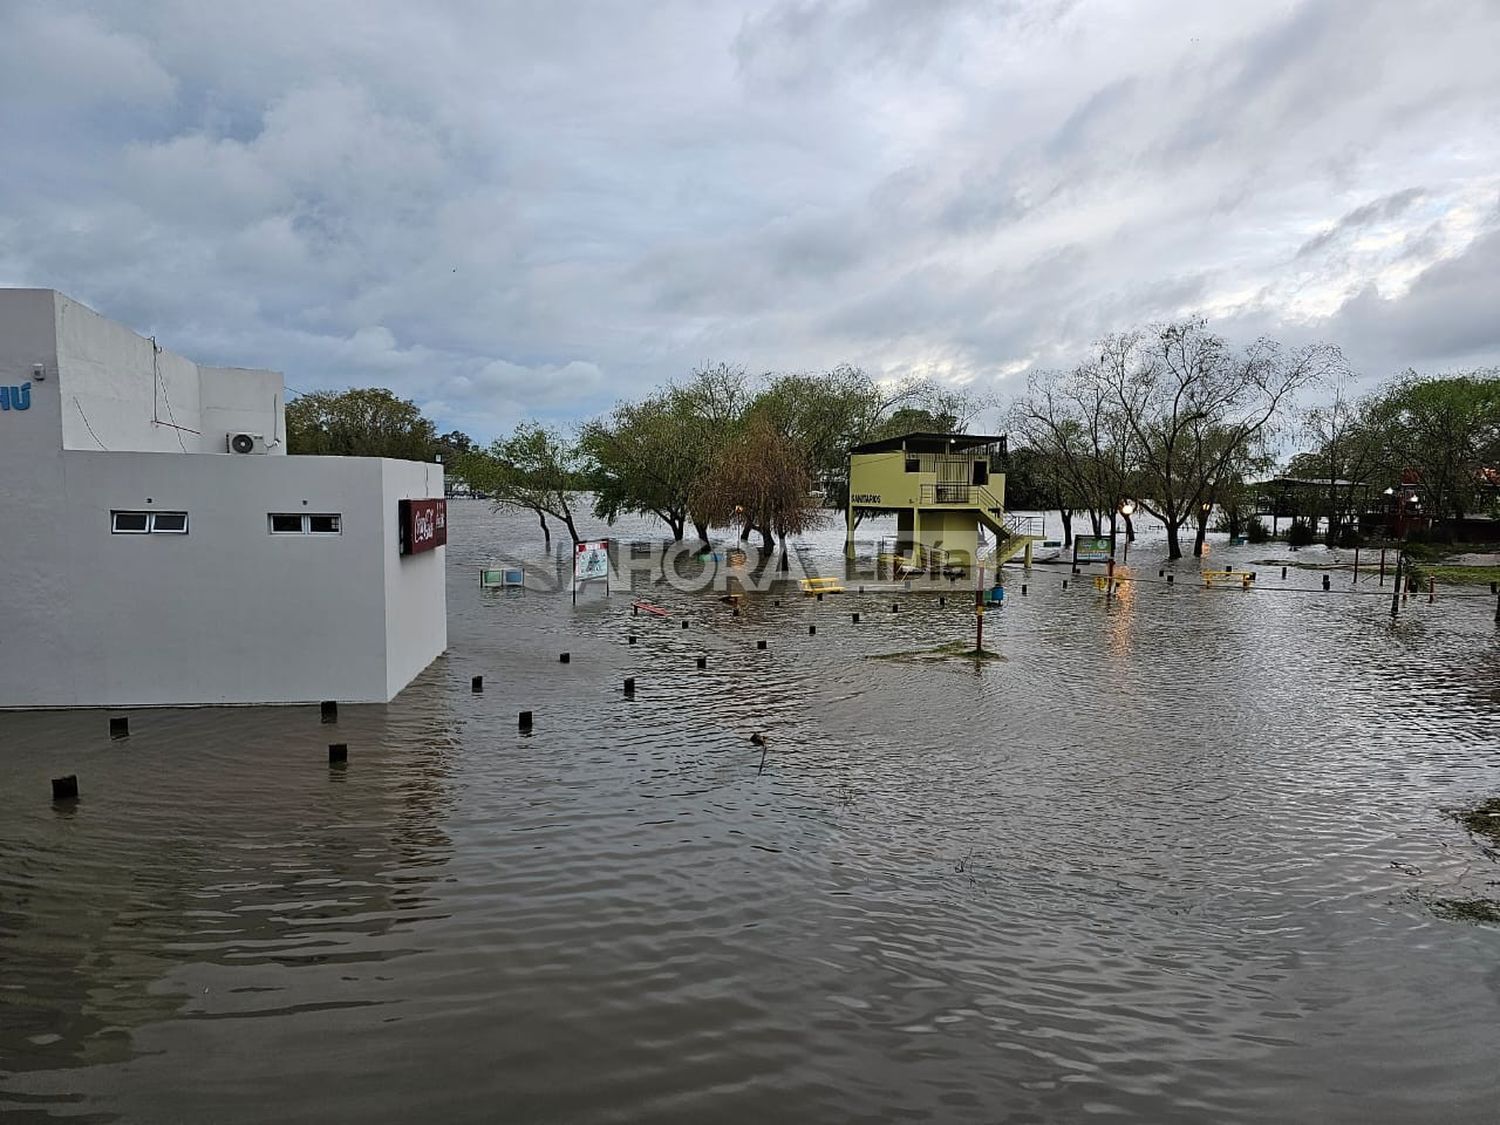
column 942, row 488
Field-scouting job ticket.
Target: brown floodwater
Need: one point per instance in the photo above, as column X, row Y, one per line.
column 1173, row 859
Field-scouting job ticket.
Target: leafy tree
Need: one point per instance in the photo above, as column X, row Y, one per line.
column 364, row 422
column 1447, row 430
column 535, row 470
column 649, row 457
column 761, row 480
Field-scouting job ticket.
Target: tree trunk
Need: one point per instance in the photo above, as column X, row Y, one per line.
column 1202, row 532
column 1094, row 520
column 1129, row 530
column 1067, row 522
column 572, row 530
column 702, row 531
column 546, row 533
column 1174, row 540
column 675, row 525
column 768, row 540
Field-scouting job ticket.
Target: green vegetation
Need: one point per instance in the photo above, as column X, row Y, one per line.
column 1482, row 820
column 953, row 650
column 366, row 422
column 1463, row 575
column 1466, row 909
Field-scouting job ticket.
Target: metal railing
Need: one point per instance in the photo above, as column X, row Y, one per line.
column 970, row 495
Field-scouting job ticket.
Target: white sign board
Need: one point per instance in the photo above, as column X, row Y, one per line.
column 591, row 560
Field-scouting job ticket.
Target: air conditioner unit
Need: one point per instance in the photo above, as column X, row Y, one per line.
column 245, row 443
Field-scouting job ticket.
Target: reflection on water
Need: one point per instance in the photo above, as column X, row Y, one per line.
column 1167, row 861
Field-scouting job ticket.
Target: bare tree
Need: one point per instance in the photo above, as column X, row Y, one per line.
column 1192, row 407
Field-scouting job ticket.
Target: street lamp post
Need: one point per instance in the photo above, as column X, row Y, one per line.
column 1127, row 509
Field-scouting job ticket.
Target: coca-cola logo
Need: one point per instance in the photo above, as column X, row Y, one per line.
column 424, row 525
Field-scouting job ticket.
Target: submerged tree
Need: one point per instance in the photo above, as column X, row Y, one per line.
column 535, row 470
column 761, row 480
column 1194, row 408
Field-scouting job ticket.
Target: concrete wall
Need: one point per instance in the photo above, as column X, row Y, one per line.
column 120, row 392
column 227, row 613
column 241, row 400
column 416, row 593
column 34, row 642
column 230, row 613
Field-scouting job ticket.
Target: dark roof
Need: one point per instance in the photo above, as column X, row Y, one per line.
column 924, row 442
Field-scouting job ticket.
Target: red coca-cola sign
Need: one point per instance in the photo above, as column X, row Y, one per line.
column 424, row 525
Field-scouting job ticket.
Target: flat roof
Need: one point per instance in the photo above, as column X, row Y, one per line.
column 921, row 441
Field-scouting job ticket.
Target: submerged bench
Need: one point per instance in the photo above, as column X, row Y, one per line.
column 821, row 586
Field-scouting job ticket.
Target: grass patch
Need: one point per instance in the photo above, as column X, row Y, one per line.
column 1465, row 575
column 1482, row 820
column 953, row 650
column 1466, row 909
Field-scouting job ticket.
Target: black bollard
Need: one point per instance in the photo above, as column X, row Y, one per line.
column 1170, row 578
column 1283, row 572
column 1065, row 583
column 631, row 640
column 820, row 597
column 812, row 630
column 856, row 619
column 1327, row 582
column 630, row 685
column 635, row 611
column 330, row 709
column 338, row 753
column 778, row 601
column 942, row 601
column 684, row 624
column 702, row 662
column 1162, row 573
column 476, row 685
column 524, row 722
column 760, row 644
column 895, row 607
column 65, row 788
column 1023, row 589
column 1495, row 587
column 565, row 658
column 119, row 727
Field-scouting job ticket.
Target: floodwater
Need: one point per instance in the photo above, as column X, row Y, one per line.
column 1173, row 859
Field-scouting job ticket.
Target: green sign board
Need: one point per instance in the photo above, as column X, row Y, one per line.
column 1093, row 548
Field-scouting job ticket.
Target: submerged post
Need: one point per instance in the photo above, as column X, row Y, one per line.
column 524, row 722
column 476, row 685
column 119, row 727
column 65, row 788
column 1396, row 589
column 330, row 711
column 338, row 753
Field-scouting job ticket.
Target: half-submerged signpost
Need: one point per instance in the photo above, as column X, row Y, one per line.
column 590, row 563
column 1096, row 548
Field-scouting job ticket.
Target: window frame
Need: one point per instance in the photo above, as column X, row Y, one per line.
column 305, row 523
column 148, row 518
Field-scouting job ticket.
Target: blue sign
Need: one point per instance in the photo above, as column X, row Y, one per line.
column 16, row 398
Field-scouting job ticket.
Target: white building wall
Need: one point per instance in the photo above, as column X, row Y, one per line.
column 227, row 613
column 416, row 597
column 120, row 392
column 35, row 644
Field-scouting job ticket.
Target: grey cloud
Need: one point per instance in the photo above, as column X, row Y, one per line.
column 1377, row 210
column 504, row 209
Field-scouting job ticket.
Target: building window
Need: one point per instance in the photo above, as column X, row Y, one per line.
column 913, row 465
column 147, row 523
column 297, row 523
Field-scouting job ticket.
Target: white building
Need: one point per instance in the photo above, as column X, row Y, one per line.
column 142, row 561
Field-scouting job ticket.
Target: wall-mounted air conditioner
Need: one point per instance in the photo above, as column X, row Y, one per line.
column 245, row 443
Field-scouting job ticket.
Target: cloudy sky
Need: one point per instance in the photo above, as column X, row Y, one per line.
column 513, row 210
